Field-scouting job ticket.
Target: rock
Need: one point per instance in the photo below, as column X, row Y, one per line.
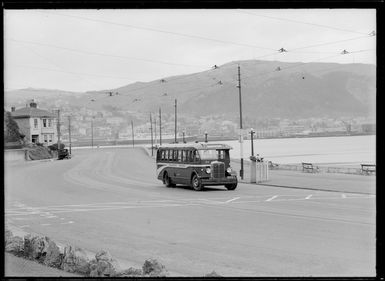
column 213, row 274
column 14, row 244
column 35, row 247
column 7, row 235
column 75, row 260
column 103, row 256
column 153, row 268
column 53, row 256
column 104, row 265
column 131, row 272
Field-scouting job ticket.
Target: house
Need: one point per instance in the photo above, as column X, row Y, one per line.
column 38, row 126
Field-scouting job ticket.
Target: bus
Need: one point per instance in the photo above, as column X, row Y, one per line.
column 195, row 164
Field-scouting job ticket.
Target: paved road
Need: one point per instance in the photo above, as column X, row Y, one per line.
column 110, row 199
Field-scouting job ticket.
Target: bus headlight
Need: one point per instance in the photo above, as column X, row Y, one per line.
column 229, row 170
column 208, row 170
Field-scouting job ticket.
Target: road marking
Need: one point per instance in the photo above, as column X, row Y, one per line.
column 271, row 198
column 45, row 224
column 308, row 197
column 69, row 222
column 24, row 226
column 343, row 195
column 228, row 201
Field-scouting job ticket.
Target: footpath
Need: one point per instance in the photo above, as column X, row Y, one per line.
column 346, row 183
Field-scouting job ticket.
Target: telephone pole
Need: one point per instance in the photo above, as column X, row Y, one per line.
column 155, row 129
column 69, row 131
column 160, row 127
column 58, row 131
column 152, row 144
column 175, row 120
column 240, row 121
column 92, row 133
column 132, row 132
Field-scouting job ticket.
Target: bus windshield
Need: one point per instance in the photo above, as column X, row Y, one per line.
column 209, row 154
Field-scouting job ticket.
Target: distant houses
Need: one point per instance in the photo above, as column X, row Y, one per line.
column 38, row 125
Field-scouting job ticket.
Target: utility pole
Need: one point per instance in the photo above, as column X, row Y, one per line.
column 175, row 120
column 240, row 121
column 152, row 144
column 69, row 131
column 155, row 129
column 160, row 127
column 92, row 133
column 132, row 132
column 58, row 132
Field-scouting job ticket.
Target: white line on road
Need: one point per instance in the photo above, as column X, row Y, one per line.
column 271, row 198
column 308, row 197
column 45, row 224
column 228, row 201
column 24, row 226
column 67, row 222
column 343, row 195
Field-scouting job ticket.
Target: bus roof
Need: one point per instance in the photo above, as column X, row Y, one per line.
column 197, row 145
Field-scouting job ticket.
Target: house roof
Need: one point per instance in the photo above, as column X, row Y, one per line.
column 32, row 112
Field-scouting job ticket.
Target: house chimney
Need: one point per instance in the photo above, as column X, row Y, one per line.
column 33, row 104
column 12, row 109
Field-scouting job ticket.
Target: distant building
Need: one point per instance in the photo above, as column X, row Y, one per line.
column 37, row 125
column 368, row 128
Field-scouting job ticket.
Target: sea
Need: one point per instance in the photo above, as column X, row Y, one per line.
column 335, row 151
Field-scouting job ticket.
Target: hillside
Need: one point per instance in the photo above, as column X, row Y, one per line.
column 297, row 91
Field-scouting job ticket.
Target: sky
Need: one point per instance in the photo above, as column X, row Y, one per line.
column 84, row 50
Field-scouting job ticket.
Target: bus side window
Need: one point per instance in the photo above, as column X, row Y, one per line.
column 180, row 155
column 175, row 155
column 183, row 158
column 167, row 156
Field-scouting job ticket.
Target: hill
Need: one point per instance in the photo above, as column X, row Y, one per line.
column 296, row 91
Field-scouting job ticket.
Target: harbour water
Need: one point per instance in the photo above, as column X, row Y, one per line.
column 346, row 151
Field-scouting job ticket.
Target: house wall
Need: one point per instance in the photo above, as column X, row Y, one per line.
column 24, row 126
column 27, row 127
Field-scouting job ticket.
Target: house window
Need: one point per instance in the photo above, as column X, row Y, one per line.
column 50, row 138
column 50, row 123
column 44, row 123
column 35, row 123
column 45, row 138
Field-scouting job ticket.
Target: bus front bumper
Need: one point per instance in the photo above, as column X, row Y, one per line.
column 219, row 181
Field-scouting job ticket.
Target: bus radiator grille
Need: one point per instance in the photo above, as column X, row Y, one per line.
column 218, row 170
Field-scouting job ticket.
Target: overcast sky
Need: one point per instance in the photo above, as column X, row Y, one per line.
column 80, row 50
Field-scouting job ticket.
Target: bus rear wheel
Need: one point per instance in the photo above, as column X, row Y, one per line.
column 231, row 186
column 167, row 181
column 196, row 183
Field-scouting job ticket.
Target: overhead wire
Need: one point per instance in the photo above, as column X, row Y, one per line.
column 99, row 54
column 302, row 22
column 162, row 31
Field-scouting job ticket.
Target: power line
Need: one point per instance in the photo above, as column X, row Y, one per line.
column 70, row 72
column 99, row 54
column 302, row 22
column 162, row 31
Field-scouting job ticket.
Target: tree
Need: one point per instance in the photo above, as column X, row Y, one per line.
column 11, row 129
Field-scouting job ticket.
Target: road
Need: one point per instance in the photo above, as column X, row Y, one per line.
column 110, row 199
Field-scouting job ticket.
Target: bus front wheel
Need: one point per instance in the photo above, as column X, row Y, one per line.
column 231, row 186
column 167, row 181
column 196, row 183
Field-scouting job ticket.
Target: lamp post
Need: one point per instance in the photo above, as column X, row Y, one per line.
column 252, row 132
column 205, row 136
